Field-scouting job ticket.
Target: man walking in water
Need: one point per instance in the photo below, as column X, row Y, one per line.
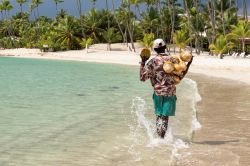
column 164, row 96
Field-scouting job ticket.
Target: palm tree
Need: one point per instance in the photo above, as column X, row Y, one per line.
column 181, row 38
column 211, row 11
column 150, row 21
column 148, row 40
column 67, row 32
column 92, row 24
column 6, row 6
column 220, row 46
column 118, row 22
column 31, row 8
column 57, row 2
column 240, row 32
column 62, row 13
column 111, row 36
column 93, row 3
column 21, row 2
column 1, row 10
column 36, row 4
column 130, row 23
column 79, row 8
column 137, row 5
column 244, row 7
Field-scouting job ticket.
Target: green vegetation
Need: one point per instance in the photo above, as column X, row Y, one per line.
column 189, row 23
column 220, row 46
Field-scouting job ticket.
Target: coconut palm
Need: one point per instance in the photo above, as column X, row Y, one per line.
column 93, row 3
column 244, row 7
column 57, row 2
column 31, row 8
column 220, row 46
column 111, row 36
column 148, row 40
column 6, row 6
column 137, row 5
column 240, row 32
column 62, row 14
column 150, row 21
column 36, row 3
column 67, row 32
column 181, row 38
column 92, row 24
column 119, row 23
column 1, row 10
column 21, row 2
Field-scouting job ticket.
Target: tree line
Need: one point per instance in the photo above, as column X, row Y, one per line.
column 211, row 25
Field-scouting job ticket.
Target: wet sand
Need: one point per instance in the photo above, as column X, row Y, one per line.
column 224, row 112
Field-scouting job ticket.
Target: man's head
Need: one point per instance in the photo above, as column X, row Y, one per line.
column 159, row 46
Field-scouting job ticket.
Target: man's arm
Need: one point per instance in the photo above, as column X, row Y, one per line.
column 145, row 71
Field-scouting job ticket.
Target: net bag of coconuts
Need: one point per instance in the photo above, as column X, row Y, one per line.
column 177, row 68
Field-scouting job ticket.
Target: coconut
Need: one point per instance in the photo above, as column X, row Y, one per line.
column 183, row 66
column 178, row 68
column 177, row 79
column 176, row 58
column 168, row 67
column 186, row 56
column 145, row 53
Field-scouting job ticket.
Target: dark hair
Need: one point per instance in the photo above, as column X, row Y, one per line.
column 160, row 49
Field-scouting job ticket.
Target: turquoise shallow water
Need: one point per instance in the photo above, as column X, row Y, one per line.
column 76, row 113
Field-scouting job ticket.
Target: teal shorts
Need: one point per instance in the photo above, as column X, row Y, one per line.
column 164, row 106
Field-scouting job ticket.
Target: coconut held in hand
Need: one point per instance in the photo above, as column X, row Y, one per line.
column 145, row 53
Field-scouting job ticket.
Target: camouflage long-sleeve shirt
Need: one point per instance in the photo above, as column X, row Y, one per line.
column 162, row 82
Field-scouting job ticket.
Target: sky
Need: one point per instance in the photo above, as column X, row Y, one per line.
column 48, row 7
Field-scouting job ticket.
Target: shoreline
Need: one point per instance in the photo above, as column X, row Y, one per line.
column 228, row 68
column 211, row 74
column 224, row 138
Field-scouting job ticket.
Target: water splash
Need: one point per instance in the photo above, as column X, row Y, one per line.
column 140, row 123
column 140, row 126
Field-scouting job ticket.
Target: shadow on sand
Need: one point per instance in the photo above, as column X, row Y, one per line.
column 215, row 142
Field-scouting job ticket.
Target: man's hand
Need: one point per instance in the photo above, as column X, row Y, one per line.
column 144, row 59
column 188, row 65
column 145, row 54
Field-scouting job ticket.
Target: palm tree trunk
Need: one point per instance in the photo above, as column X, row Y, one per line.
column 244, row 7
column 109, row 43
column 222, row 16
column 2, row 17
column 161, row 19
column 243, row 44
column 197, row 44
column 119, row 26
column 79, row 8
column 189, row 24
column 129, row 27
column 211, row 10
column 21, row 8
column 37, row 11
column 171, row 19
